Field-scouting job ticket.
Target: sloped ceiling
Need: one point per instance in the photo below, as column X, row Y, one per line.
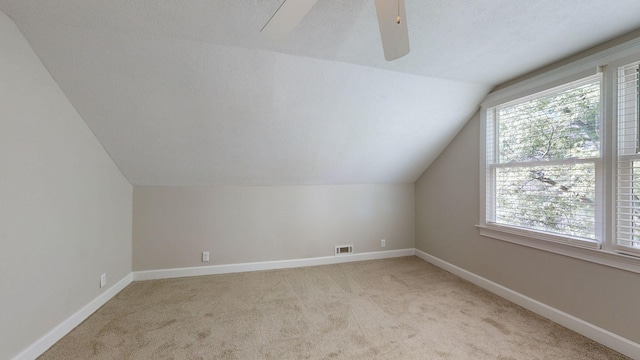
column 190, row 93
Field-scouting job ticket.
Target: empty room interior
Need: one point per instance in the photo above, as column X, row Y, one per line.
column 362, row 179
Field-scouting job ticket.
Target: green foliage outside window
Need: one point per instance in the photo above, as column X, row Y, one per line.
column 545, row 173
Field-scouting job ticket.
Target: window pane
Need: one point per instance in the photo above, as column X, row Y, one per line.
column 628, row 119
column 628, row 205
column 561, row 125
column 555, row 198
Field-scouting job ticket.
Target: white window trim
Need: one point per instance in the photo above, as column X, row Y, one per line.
column 607, row 252
column 613, row 259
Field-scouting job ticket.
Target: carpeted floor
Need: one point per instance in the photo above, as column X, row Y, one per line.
column 399, row 308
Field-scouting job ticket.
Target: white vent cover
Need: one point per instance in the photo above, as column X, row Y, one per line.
column 344, row 249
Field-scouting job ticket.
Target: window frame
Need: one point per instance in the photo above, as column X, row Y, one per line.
column 492, row 166
column 628, row 158
column 607, row 252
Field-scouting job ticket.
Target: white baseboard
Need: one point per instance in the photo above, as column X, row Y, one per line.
column 45, row 342
column 605, row 337
column 267, row 265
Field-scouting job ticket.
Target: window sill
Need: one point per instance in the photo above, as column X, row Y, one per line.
column 598, row 256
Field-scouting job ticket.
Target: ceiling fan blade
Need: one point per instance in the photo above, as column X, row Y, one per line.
column 395, row 37
column 286, row 18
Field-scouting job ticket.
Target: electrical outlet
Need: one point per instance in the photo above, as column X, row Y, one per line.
column 205, row 256
column 103, row 280
column 383, row 243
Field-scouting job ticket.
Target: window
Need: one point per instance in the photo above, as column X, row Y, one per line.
column 560, row 160
column 628, row 167
column 543, row 158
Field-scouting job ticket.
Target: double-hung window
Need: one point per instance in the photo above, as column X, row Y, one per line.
column 543, row 158
column 560, row 160
column 628, row 164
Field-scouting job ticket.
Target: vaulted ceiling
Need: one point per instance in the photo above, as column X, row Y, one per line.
column 189, row 92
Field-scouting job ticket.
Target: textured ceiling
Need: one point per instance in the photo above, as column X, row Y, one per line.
column 190, row 93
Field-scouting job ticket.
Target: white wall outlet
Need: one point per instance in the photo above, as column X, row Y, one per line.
column 103, row 280
column 383, row 243
column 205, row 256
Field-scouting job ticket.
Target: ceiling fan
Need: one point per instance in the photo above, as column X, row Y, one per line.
column 391, row 20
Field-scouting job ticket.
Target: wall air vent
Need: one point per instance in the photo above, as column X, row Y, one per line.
column 344, row 249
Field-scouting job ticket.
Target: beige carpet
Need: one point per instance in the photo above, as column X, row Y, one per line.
column 398, row 308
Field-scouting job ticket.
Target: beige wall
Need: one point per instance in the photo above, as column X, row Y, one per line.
column 236, row 224
column 65, row 209
column 447, row 208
